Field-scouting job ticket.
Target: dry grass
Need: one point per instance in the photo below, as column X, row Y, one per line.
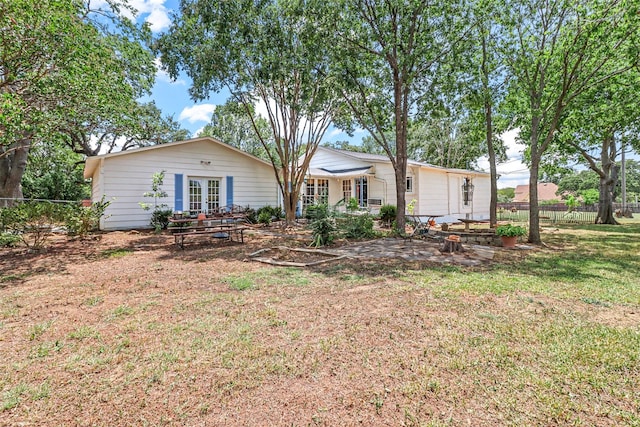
column 129, row 330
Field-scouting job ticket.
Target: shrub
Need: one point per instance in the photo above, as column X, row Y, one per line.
column 80, row 220
column 316, row 212
column 358, row 227
column 264, row 217
column 323, row 230
column 388, row 213
column 251, row 215
column 352, row 205
column 32, row 221
column 160, row 219
column 8, row 240
column 275, row 213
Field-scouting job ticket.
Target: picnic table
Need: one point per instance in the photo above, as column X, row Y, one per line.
column 468, row 221
column 230, row 227
column 421, row 223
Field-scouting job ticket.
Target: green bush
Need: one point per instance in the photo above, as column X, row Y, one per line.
column 33, row 222
column 388, row 213
column 316, row 212
column 251, row 215
column 264, row 217
column 8, row 240
column 352, row 205
column 323, row 231
column 275, row 214
column 358, row 227
column 160, row 219
column 81, row 220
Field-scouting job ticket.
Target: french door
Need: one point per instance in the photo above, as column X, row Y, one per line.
column 204, row 194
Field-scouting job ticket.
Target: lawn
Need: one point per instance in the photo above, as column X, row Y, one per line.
column 127, row 329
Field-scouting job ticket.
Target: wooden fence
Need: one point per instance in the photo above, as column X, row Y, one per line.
column 557, row 213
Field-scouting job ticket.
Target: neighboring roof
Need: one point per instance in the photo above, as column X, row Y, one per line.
column 384, row 159
column 343, row 173
column 546, row 191
column 92, row 162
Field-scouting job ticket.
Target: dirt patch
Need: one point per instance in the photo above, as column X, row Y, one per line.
column 128, row 329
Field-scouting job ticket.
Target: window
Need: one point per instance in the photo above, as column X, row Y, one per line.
column 409, row 184
column 204, row 194
column 361, row 191
column 323, row 191
column 316, row 191
column 309, row 192
column 346, row 190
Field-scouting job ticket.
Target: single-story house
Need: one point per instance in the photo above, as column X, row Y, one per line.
column 201, row 175
column 546, row 191
column 335, row 176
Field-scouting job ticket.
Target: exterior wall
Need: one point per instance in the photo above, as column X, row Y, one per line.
column 127, row 177
column 440, row 193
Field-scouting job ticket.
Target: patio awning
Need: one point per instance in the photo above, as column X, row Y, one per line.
column 340, row 173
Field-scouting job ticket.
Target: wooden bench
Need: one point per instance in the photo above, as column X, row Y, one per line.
column 224, row 231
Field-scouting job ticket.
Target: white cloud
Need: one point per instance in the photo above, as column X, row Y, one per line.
column 157, row 15
column 159, row 19
column 513, row 172
column 198, row 132
column 197, row 113
column 335, row 133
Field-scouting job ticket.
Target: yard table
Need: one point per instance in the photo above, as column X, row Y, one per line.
column 468, row 221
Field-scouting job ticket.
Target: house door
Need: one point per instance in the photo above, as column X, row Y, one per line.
column 204, row 194
column 361, row 191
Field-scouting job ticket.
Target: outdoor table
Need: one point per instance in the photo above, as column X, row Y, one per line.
column 468, row 221
column 226, row 227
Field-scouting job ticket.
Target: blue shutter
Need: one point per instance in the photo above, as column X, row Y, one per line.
column 178, row 192
column 229, row 191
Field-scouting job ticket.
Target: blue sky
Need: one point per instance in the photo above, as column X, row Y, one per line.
column 172, row 97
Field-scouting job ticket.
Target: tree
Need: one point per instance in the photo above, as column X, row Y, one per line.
column 577, row 182
column 270, row 52
column 136, row 125
column 608, row 115
column 484, row 75
column 54, row 172
column 444, row 141
column 63, row 63
column 560, row 50
column 387, row 54
column 233, row 125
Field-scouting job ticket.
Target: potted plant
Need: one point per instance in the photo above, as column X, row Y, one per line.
column 509, row 234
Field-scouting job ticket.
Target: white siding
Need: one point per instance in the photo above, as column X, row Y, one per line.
column 128, row 177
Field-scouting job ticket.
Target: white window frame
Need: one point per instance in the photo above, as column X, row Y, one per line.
column 409, row 184
column 208, row 193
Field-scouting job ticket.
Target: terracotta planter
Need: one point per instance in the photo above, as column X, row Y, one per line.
column 509, row 241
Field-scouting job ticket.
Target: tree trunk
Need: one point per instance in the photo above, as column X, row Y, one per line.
column 488, row 116
column 401, row 115
column 13, row 162
column 291, row 203
column 534, row 210
column 605, row 204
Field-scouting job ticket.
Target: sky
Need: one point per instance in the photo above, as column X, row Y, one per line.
column 172, row 97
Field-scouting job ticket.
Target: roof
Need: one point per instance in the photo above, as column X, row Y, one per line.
column 546, row 191
column 380, row 158
column 343, row 173
column 92, row 162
